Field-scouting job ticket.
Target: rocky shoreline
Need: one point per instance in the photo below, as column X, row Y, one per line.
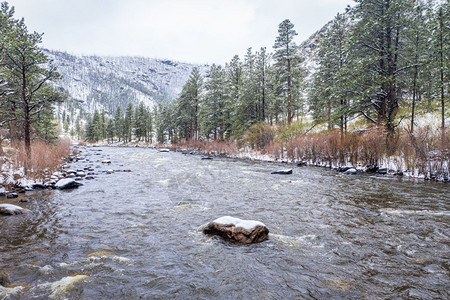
column 65, row 178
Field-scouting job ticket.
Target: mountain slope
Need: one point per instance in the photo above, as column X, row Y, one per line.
column 109, row 82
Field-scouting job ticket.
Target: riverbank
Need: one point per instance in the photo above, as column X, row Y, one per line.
column 432, row 166
column 46, row 161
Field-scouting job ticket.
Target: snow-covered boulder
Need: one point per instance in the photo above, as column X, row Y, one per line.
column 106, row 161
column 2, row 191
column 351, row 171
column 164, row 150
column 67, row 183
column 283, row 172
column 10, row 209
column 237, row 230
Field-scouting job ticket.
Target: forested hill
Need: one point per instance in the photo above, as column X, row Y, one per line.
column 105, row 83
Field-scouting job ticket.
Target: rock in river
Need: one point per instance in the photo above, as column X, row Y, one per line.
column 351, row 171
column 283, row 172
column 237, row 230
column 10, row 209
column 67, row 183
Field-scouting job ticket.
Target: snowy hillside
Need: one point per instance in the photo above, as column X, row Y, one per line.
column 109, row 82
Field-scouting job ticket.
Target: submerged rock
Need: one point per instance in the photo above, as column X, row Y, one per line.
column 62, row 287
column 207, row 157
column 283, row 172
column 343, row 169
column 383, row 171
column 67, row 183
column 39, row 186
column 10, row 209
column 237, row 230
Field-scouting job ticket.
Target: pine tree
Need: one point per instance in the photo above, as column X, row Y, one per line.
column 234, row 84
column 22, row 66
column 148, row 126
column 104, row 123
column 262, row 71
column 96, row 127
column 417, row 43
column 118, row 123
column 78, row 129
column 329, row 97
column 213, row 108
column 110, row 130
column 140, row 121
column 128, row 123
column 379, row 57
column 440, row 28
column 188, row 106
column 287, row 63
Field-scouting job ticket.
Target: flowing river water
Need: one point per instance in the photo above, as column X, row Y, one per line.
column 135, row 235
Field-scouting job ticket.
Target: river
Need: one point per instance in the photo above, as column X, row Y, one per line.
column 135, row 235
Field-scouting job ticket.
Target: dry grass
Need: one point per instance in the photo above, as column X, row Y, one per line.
column 208, row 147
column 425, row 151
column 45, row 158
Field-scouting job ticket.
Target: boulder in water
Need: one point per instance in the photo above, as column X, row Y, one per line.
column 351, row 171
column 237, row 230
column 383, row 171
column 164, row 150
column 343, row 169
column 67, row 183
column 10, row 209
column 12, row 196
column 283, row 172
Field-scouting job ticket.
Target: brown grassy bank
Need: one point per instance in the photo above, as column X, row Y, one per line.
column 424, row 153
column 45, row 159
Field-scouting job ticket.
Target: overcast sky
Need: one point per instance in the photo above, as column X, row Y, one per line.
column 195, row 31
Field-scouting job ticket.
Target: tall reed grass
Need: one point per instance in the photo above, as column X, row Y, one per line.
column 45, row 158
column 425, row 152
